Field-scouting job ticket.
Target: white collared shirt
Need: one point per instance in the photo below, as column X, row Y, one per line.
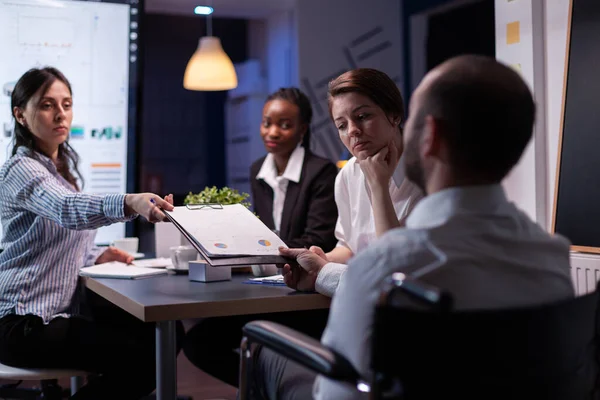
column 279, row 184
column 355, row 227
column 470, row 241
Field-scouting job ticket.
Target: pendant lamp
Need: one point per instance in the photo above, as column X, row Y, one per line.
column 210, row 68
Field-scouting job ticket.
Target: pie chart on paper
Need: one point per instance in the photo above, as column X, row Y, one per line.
column 264, row 242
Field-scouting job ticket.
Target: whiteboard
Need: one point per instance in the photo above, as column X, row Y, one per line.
column 95, row 45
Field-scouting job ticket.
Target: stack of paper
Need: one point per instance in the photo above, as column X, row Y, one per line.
column 119, row 270
column 275, row 280
column 162, row 262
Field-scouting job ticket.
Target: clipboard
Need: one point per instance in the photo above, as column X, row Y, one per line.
column 221, row 261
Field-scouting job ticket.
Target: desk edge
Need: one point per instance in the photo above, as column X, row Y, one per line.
column 123, row 302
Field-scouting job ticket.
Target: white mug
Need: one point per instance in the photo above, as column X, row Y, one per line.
column 182, row 255
column 129, row 245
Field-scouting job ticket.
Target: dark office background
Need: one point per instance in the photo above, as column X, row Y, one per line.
column 181, row 134
column 460, row 30
column 464, row 30
column 180, row 145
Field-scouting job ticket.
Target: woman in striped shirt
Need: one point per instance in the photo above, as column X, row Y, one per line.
column 47, row 319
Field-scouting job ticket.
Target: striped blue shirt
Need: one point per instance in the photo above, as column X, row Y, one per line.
column 48, row 236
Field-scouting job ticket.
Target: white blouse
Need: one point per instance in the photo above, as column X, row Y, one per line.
column 355, row 227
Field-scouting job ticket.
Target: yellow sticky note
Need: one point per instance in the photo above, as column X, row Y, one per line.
column 517, row 67
column 513, row 34
column 340, row 164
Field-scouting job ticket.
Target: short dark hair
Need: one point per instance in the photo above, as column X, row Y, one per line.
column 297, row 97
column 486, row 111
column 372, row 83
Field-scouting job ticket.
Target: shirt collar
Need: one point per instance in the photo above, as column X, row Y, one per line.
column 45, row 160
column 436, row 209
column 293, row 170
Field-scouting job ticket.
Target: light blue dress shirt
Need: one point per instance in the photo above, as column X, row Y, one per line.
column 48, row 236
column 471, row 241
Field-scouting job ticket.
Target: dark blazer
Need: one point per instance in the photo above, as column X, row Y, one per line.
column 309, row 211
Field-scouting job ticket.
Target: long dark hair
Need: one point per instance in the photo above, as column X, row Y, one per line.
column 372, row 83
column 34, row 80
column 295, row 96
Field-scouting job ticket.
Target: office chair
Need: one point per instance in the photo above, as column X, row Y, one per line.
column 423, row 349
column 49, row 388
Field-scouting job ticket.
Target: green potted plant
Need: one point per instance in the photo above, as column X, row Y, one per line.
column 223, row 196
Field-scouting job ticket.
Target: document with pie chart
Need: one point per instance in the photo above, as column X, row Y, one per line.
column 226, row 232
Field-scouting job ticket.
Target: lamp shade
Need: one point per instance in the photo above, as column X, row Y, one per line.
column 210, row 68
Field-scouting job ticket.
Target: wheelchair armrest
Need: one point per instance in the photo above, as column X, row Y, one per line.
column 302, row 349
column 400, row 284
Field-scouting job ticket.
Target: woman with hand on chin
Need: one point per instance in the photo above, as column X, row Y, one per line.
column 47, row 319
column 371, row 191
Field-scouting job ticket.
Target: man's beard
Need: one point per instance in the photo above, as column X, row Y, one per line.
column 412, row 163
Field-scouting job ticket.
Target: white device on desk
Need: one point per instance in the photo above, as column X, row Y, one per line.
column 201, row 271
column 186, row 259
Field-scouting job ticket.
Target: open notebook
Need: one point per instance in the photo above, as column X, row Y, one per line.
column 120, row 270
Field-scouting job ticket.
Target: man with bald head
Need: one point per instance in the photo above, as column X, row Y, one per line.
column 470, row 121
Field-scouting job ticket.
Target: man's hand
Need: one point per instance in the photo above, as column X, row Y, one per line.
column 114, row 254
column 148, row 205
column 304, row 275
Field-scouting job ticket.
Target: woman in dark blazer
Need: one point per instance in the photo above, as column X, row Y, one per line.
column 293, row 189
column 293, row 194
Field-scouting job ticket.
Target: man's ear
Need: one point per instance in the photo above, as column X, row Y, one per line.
column 431, row 138
column 19, row 116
